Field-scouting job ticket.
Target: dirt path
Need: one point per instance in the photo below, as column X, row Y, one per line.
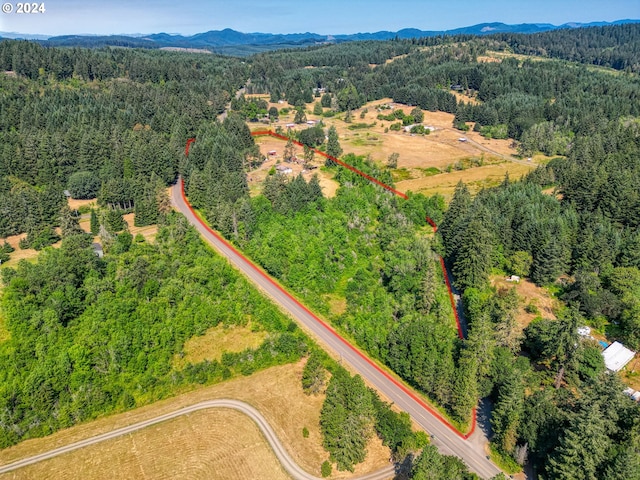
column 224, row 114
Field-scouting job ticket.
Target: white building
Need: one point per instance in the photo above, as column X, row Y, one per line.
column 283, row 169
column 616, row 356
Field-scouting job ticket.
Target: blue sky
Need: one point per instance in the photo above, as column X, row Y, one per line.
column 290, row 16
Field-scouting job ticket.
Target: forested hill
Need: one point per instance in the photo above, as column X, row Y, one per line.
column 571, row 226
column 113, row 123
column 233, row 42
column 609, row 46
column 109, row 123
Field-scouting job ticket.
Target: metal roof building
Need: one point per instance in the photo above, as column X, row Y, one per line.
column 616, row 356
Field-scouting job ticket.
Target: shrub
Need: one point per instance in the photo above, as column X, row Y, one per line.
column 325, row 469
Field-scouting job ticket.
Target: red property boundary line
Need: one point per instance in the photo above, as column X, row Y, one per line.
column 383, row 185
column 402, row 387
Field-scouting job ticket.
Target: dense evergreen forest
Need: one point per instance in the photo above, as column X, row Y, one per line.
column 609, row 46
column 104, row 123
column 541, row 103
column 90, row 336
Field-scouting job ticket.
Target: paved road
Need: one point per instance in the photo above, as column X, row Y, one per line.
column 287, row 462
column 446, row 439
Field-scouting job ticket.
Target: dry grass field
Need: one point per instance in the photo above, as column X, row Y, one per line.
column 215, row 444
column 476, row 179
column 486, row 161
column 216, row 341
column 210, row 444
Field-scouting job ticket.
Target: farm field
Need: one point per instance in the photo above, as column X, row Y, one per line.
column 476, row 179
column 212, row 444
column 421, row 157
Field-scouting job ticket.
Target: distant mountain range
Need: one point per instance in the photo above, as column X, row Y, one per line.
column 228, row 40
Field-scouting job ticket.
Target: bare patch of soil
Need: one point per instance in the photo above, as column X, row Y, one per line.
column 530, row 294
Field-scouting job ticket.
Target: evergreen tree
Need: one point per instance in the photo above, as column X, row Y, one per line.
column 472, row 263
column 114, row 221
column 289, row 151
column 315, row 190
column 313, row 375
column 94, row 223
column 309, row 153
column 333, row 146
column 549, row 262
column 508, row 411
column 455, row 219
column 69, row 223
column 582, row 449
column 346, row 420
column 465, row 387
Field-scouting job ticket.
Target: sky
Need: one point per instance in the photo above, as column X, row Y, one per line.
column 290, row 16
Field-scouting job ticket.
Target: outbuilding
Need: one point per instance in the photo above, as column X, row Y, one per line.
column 283, row 169
column 616, row 356
column 97, row 249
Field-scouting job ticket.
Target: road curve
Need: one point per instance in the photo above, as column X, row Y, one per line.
column 448, row 440
column 291, row 467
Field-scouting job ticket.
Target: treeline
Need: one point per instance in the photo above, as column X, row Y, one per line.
column 352, row 413
column 90, row 336
column 99, row 123
column 33, row 61
column 591, row 233
column 363, row 248
column 613, row 46
column 544, row 105
column 215, row 175
column 555, row 406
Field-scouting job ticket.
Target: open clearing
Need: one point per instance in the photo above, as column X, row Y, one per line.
column 216, row 341
column 421, row 157
column 267, row 144
column 191, row 447
column 530, row 294
column 476, row 179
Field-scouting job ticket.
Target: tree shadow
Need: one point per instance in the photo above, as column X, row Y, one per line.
column 403, row 468
column 485, row 406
